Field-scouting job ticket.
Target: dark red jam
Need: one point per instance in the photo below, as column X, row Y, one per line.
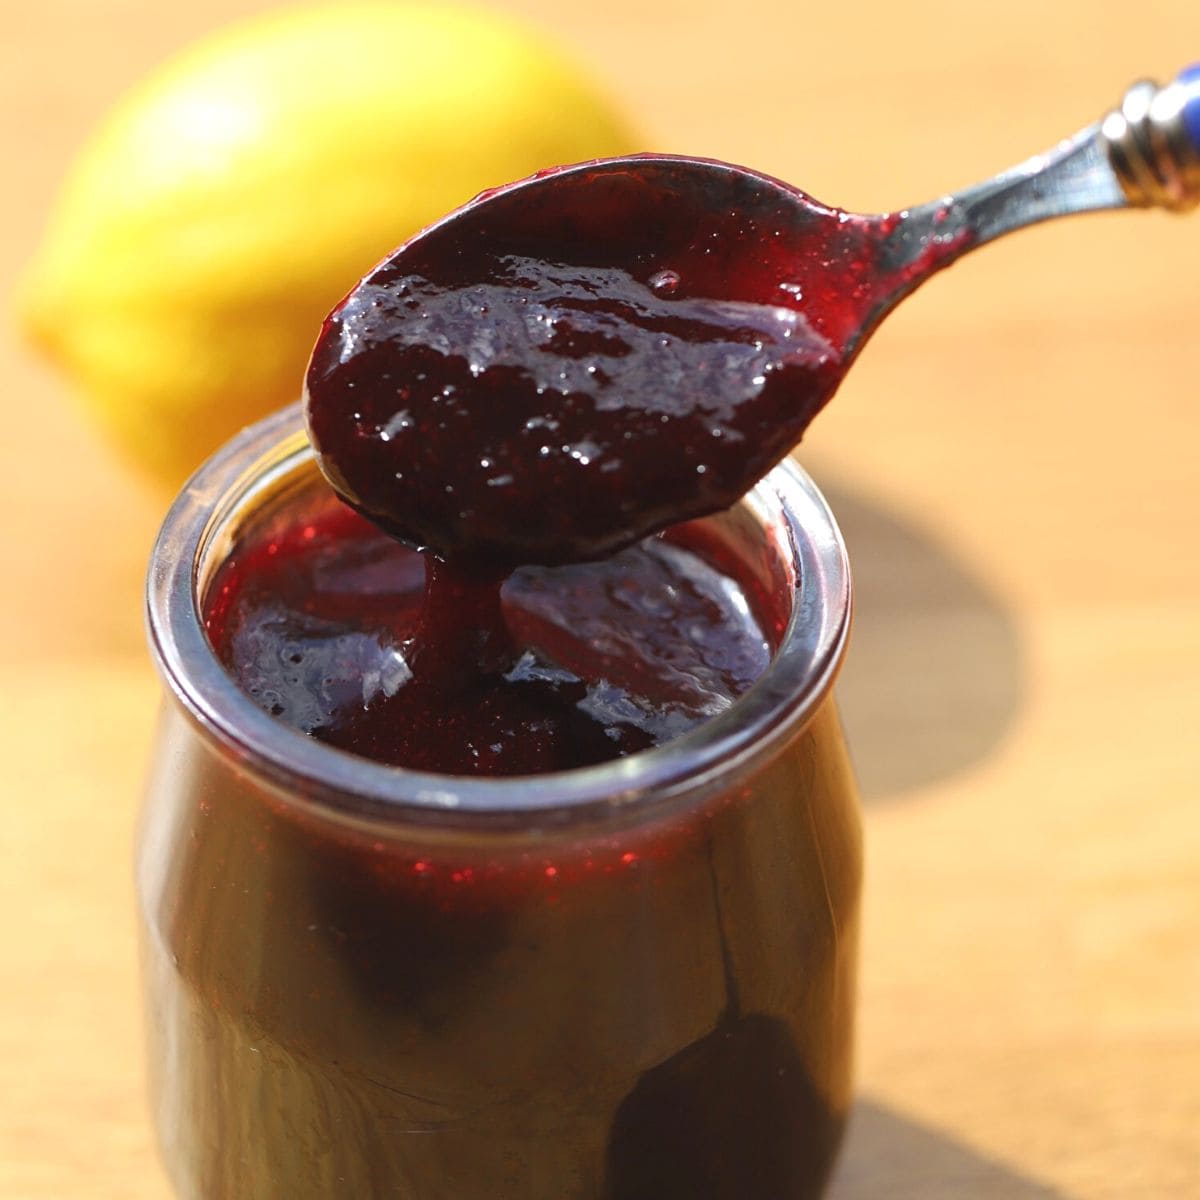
column 570, row 364
column 331, row 625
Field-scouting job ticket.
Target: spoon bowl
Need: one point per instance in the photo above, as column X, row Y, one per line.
column 572, row 362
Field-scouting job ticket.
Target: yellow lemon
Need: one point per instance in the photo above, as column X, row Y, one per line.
column 231, row 200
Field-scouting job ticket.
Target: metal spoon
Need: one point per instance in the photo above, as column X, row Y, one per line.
column 579, row 359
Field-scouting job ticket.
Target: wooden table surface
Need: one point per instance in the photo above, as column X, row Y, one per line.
column 1014, row 460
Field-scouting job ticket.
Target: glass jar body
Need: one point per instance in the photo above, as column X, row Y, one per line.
column 646, row 998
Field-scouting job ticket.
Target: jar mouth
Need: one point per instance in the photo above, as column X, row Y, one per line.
column 798, row 529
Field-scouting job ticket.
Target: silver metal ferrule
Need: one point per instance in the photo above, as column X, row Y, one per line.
column 1149, row 148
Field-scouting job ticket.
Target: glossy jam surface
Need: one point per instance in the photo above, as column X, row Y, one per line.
column 331, row 626
column 570, row 364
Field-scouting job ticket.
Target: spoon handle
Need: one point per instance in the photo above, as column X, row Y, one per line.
column 1144, row 154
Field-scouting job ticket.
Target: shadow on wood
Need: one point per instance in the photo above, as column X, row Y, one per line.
column 888, row 1155
column 935, row 671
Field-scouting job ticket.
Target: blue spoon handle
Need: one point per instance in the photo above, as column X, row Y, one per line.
column 1189, row 81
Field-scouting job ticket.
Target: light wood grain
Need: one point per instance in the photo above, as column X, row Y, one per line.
column 1014, row 460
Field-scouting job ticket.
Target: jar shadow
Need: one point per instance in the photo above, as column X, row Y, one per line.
column 887, row 1154
column 936, row 668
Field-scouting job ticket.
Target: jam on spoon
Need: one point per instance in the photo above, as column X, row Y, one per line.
column 577, row 360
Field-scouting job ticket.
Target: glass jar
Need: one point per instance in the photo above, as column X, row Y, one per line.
column 623, row 981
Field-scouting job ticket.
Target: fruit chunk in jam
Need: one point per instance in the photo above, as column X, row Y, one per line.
column 328, row 623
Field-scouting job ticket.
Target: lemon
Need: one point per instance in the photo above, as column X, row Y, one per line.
column 229, row 202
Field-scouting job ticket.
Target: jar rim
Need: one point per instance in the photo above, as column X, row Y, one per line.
column 313, row 774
